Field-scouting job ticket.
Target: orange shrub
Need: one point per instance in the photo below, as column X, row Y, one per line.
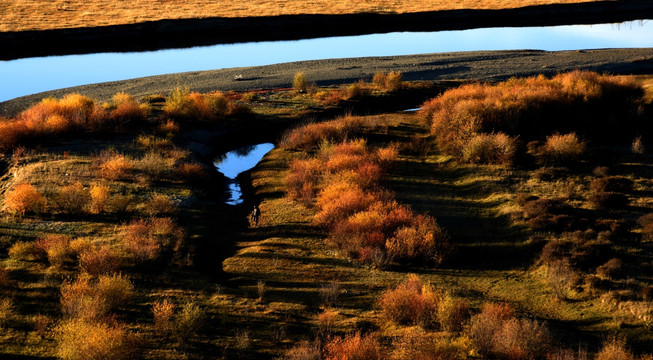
column 114, row 290
column 391, row 81
column 192, row 173
column 417, row 343
column 23, row 199
column 99, row 260
column 564, row 147
column 614, row 349
column 304, row 351
column 313, row 134
column 483, row 327
column 100, row 194
column 24, row 250
column 72, row 199
column 424, row 241
column 115, row 167
column 188, row 105
column 411, row 302
column 522, row 339
column 354, row 347
column 127, row 109
column 303, row 178
column 496, row 148
column 146, row 240
column 337, row 201
column 163, row 312
column 535, row 107
column 80, row 299
column 56, row 247
column 81, row 339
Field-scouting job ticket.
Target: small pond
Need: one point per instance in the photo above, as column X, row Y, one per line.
column 237, row 161
column 32, row 75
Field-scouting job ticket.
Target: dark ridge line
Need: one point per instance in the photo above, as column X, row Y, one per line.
column 163, row 34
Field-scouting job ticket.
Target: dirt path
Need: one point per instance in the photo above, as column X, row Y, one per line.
column 483, row 65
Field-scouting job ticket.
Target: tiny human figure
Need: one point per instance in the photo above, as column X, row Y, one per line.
column 256, row 214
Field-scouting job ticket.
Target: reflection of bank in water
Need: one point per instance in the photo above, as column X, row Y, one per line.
column 237, row 161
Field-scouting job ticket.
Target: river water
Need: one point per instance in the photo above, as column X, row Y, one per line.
column 235, row 162
column 32, row 75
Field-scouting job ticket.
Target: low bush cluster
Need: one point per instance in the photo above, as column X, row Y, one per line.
column 74, row 112
column 182, row 104
column 148, row 240
column 610, row 192
column 496, row 331
column 341, row 181
column 576, row 104
column 417, row 303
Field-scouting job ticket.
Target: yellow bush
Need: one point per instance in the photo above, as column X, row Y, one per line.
column 23, row 250
column 116, row 167
column 82, row 339
column 23, row 199
column 411, row 302
column 163, row 312
column 100, row 194
column 72, row 199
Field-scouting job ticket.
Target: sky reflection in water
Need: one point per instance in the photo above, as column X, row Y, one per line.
column 32, row 75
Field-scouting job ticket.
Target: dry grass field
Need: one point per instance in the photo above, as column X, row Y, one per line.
column 22, row 15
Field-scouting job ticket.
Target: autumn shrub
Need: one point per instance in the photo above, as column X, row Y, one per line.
column 56, row 247
column 72, row 199
column 337, row 201
column 560, row 275
column 423, row 242
column 163, row 312
column 611, row 184
column 7, row 311
column 160, row 204
column 80, row 299
column 100, row 195
column 303, row 177
column 154, row 164
column 299, row 82
column 192, row 173
column 484, row 326
column 116, row 167
column 614, row 349
column 147, row 240
column 391, row 81
column 608, row 200
column 564, row 147
column 24, row 250
column 96, row 260
column 417, row 343
column 114, row 290
column 5, row 279
column 522, row 339
column 83, row 339
column 127, row 109
column 646, row 222
column 23, row 199
column 411, row 302
column 304, row 350
column 189, row 321
column 354, row 347
column 313, row 134
column 496, row 148
column 546, row 214
column 453, row 313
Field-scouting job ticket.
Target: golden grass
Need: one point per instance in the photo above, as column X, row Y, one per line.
column 21, row 15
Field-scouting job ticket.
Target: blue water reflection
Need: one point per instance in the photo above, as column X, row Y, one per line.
column 237, row 161
column 32, row 75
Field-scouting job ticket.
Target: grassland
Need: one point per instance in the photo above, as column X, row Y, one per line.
column 19, row 15
column 203, row 282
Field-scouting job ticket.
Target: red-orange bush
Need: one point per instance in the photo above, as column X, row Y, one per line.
column 147, row 240
column 56, row 247
column 411, row 302
column 99, row 260
column 424, row 241
column 354, row 347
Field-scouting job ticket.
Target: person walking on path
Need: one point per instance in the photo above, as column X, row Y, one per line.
column 256, row 215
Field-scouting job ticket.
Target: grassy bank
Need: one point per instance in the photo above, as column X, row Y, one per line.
column 45, row 15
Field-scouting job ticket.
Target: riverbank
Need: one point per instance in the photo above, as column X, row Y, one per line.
column 152, row 34
column 478, row 65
